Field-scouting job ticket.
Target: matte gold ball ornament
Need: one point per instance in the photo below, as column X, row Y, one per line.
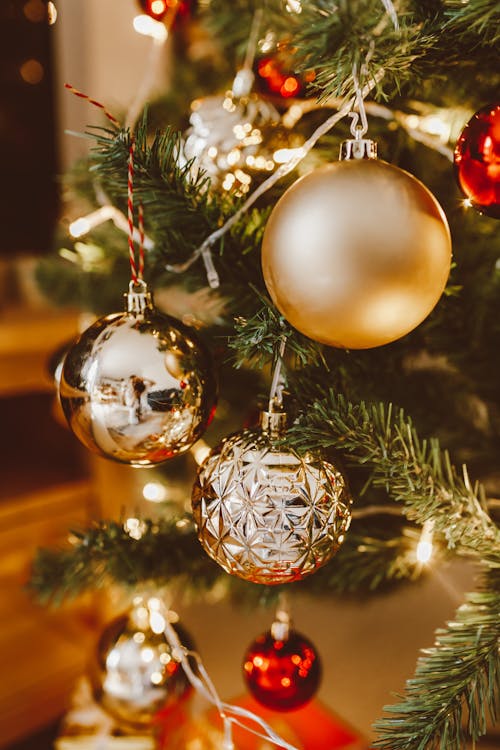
column 357, row 253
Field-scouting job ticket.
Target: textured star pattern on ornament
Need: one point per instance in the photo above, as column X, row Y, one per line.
column 267, row 514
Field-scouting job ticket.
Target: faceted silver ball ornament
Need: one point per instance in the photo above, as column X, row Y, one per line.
column 266, row 513
column 138, row 387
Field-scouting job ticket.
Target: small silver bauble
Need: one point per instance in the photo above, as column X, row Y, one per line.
column 266, row 513
column 134, row 674
column 138, row 386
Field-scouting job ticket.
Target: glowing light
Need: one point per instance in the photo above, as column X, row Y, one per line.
column 258, row 661
column 233, row 157
column 113, row 659
column 158, row 7
column 139, row 637
column 32, row 71
column 467, row 203
column 156, row 678
column 286, row 682
column 51, row 13
column 424, row 551
column 84, row 224
column 293, row 6
column 413, row 121
column 147, row 654
column 155, row 492
column 435, row 125
column 289, row 87
column 424, row 548
column 149, row 27
column 157, row 622
column 165, row 658
column 79, row 227
column 134, row 528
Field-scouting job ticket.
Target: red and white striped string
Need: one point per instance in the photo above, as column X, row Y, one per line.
column 136, row 270
column 76, row 92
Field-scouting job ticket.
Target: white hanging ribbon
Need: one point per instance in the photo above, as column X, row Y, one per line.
column 391, row 12
column 229, row 713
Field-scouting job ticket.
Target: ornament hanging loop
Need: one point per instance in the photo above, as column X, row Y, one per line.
column 357, row 130
column 138, row 299
column 274, row 420
column 358, row 147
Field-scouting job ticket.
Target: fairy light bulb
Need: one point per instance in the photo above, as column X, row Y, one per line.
column 155, row 492
column 424, row 548
column 147, row 26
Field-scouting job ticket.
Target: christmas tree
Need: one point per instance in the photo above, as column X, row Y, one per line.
column 327, row 301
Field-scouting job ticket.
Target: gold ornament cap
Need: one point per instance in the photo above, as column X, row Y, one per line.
column 358, row 148
column 273, row 422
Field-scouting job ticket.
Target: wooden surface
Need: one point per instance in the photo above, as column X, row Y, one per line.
column 42, row 652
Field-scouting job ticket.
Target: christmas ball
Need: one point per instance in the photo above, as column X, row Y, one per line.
column 356, row 254
column 158, row 9
column 266, row 513
column 282, row 674
column 138, row 387
column 237, row 140
column 477, row 161
column 134, row 673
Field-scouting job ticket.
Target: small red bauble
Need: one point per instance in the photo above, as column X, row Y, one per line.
column 477, row 160
column 282, row 674
column 158, row 9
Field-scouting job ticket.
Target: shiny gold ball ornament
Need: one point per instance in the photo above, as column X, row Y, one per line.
column 134, row 673
column 266, row 513
column 139, row 386
column 356, row 254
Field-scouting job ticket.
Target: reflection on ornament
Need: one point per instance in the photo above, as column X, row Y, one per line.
column 118, row 395
column 477, row 161
column 266, row 513
column 234, row 139
column 356, row 254
column 313, row 727
column 282, row 673
column 135, row 674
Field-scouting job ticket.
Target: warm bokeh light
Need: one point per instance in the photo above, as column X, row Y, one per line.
column 155, row 492
column 32, row 71
column 149, row 27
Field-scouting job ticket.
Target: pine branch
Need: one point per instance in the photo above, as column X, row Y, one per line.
column 456, row 683
column 373, row 556
column 412, row 471
column 258, row 337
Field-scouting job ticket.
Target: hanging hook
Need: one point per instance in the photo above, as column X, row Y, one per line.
column 357, row 130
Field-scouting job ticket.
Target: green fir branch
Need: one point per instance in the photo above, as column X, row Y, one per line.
column 374, row 556
column 413, row 471
column 258, row 337
column 456, row 685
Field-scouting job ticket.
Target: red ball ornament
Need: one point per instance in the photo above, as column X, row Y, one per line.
column 158, row 9
column 282, row 674
column 477, row 160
